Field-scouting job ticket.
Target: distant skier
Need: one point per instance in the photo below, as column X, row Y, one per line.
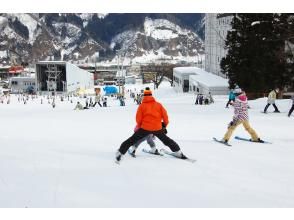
column 139, row 99
column 272, row 96
column 104, row 102
column 201, row 99
column 197, row 99
column 97, row 100
column 149, row 117
column 210, row 98
column 121, row 99
column 292, row 108
column 87, row 102
column 53, row 103
column 240, row 117
column 150, row 140
column 231, row 98
column 79, row 106
column 91, row 102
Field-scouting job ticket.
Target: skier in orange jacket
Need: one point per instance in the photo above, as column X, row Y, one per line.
column 152, row 118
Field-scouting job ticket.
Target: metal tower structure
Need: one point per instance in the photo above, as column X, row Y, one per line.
column 53, row 74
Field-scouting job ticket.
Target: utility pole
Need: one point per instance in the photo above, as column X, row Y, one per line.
column 96, row 58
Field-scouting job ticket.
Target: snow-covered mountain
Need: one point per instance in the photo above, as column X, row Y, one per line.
column 31, row 37
column 160, row 39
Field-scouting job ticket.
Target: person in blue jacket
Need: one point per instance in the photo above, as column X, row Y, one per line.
column 231, row 98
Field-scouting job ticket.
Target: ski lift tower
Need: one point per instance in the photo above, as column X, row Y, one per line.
column 53, row 75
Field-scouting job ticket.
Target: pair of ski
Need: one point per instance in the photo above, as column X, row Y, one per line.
column 162, row 152
column 241, row 139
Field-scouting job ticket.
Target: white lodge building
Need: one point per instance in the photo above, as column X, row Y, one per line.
column 196, row 80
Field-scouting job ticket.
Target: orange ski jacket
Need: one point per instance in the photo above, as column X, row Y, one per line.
column 151, row 114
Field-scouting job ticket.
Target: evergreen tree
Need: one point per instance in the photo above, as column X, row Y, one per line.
column 256, row 59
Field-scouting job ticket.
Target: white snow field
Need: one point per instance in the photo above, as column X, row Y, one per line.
column 65, row 158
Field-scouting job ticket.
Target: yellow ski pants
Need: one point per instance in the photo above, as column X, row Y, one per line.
column 247, row 127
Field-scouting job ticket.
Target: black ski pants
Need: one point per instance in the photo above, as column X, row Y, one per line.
column 141, row 133
column 266, row 107
column 291, row 110
column 98, row 104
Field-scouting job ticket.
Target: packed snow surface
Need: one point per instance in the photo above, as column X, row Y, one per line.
column 58, row 157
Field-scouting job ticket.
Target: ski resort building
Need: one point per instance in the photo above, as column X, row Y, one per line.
column 204, row 82
column 181, row 78
column 216, row 29
column 194, row 79
column 62, row 77
column 20, row 84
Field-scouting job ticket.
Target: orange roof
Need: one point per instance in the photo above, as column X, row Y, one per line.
column 16, row 69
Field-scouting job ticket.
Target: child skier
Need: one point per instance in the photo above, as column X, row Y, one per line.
column 150, row 140
column 240, row 117
column 231, row 98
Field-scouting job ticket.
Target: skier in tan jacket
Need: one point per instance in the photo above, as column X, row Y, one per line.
column 272, row 96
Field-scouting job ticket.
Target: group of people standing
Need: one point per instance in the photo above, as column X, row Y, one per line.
column 89, row 102
column 202, row 99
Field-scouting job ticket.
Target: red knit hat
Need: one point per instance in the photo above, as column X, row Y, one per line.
column 147, row 91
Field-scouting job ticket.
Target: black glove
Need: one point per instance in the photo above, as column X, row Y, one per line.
column 163, row 127
column 232, row 123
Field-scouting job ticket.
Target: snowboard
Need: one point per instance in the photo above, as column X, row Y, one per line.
column 163, row 151
column 249, row 140
column 221, row 142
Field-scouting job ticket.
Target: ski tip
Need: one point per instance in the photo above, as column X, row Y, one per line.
column 191, row 160
column 222, row 142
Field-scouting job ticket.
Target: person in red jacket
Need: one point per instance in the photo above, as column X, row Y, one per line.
column 151, row 118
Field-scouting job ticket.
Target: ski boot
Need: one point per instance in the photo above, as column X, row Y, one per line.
column 258, row 140
column 180, row 155
column 132, row 151
column 154, row 151
column 118, row 157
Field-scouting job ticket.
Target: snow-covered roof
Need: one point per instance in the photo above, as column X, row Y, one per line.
column 23, row 78
column 52, row 62
column 184, row 71
column 208, row 78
